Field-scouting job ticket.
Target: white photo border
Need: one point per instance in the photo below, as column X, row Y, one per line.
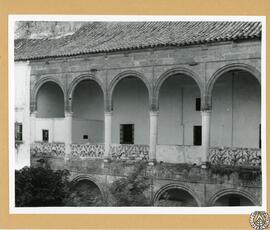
column 130, row 210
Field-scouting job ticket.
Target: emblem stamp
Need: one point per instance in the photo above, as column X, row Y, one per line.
column 259, row 220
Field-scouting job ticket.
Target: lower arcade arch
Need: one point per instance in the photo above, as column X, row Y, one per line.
column 85, row 193
column 232, row 198
column 175, row 196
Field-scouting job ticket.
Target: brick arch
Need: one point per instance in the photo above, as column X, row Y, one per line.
column 81, row 78
column 39, row 84
column 178, row 70
column 122, row 75
column 176, row 186
column 229, row 67
column 92, row 179
column 225, row 192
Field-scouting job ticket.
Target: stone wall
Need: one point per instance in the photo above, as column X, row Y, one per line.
column 204, row 185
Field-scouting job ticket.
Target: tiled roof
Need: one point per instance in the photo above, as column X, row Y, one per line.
column 105, row 37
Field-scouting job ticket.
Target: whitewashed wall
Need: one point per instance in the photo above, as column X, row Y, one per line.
column 236, row 111
column 177, row 108
column 56, row 127
column 179, row 154
column 88, row 113
column 131, row 106
column 50, row 101
column 22, row 107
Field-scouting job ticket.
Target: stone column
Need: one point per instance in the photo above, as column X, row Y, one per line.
column 33, row 116
column 107, row 133
column 153, row 135
column 206, row 115
column 68, row 133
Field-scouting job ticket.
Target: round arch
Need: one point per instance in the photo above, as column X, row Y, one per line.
column 167, row 187
column 225, row 192
column 89, row 178
column 174, row 71
column 81, row 78
column 229, row 67
column 40, row 83
column 125, row 74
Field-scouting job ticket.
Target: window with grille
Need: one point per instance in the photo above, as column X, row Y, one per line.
column 197, row 135
column 18, row 132
column 127, row 134
column 45, row 135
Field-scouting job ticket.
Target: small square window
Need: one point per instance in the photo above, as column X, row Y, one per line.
column 18, row 132
column 85, row 137
column 198, row 104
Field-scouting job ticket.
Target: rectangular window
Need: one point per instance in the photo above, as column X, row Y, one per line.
column 45, row 135
column 198, row 104
column 18, row 132
column 85, row 137
column 197, row 135
column 127, row 134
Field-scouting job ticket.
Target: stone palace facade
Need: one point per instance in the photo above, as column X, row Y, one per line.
column 163, row 92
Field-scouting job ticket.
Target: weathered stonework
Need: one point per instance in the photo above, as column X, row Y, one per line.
column 151, row 66
column 204, row 185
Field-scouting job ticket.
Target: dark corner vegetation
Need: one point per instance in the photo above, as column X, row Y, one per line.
column 44, row 187
column 41, row 187
column 131, row 190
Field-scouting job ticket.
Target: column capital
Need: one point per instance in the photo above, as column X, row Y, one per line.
column 206, row 102
column 33, row 107
column 108, row 113
column 68, row 114
column 33, row 113
column 206, row 111
column 154, row 112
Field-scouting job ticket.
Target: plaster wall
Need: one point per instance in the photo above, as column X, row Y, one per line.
column 236, row 110
column 22, row 108
column 93, row 128
column 131, row 106
column 88, row 113
column 56, row 127
column 177, row 110
column 50, row 101
column 179, row 154
column 88, row 101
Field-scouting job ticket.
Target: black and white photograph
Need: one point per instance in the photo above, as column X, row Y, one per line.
column 147, row 113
